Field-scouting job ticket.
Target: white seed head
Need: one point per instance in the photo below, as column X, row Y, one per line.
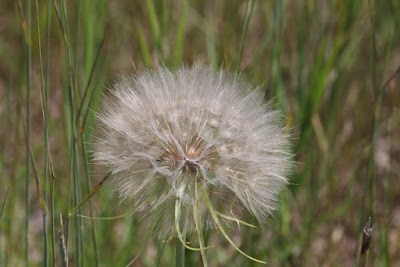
column 177, row 140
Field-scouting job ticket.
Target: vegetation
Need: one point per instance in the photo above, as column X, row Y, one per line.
column 331, row 67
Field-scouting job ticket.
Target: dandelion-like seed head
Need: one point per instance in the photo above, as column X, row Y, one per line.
column 192, row 148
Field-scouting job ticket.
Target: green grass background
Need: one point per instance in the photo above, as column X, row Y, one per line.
column 329, row 66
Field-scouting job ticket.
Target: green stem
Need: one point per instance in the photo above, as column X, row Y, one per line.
column 248, row 12
column 179, row 253
column 199, row 228
column 89, row 184
column 28, row 123
column 46, row 135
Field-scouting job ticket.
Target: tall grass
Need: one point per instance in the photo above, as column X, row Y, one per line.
column 330, row 67
column 28, row 56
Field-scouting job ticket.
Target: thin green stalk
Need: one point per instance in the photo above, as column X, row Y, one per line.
column 211, row 40
column 4, row 202
column 77, row 190
column 75, row 98
column 180, row 36
column 199, row 228
column 76, row 61
column 179, row 254
column 179, row 235
column 155, row 26
column 88, row 108
column 144, row 48
column 165, row 21
column 89, row 81
column 276, row 80
column 369, row 173
column 248, row 13
column 89, row 184
column 13, row 186
column 35, row 172
column 46, row 158
column 89, row 195
column 52, row 222
column 62, row 17
column 46, row 136
column 160, row 253
column 28, row 123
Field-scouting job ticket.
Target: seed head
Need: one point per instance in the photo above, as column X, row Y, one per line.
column 192, row 148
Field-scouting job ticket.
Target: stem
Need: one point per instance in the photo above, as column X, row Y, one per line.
column 179, row 254
column 248, row 12
column 197, row 220
column 28, row 123
column 46, row 138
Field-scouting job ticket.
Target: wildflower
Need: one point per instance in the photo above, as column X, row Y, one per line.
column 192, row 148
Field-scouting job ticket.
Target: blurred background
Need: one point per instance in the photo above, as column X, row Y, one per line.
column 331, row 67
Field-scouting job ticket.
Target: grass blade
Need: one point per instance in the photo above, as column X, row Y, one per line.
column 180, row 36
column 42, row 202
column 4, row 202
column 47, row 156
column 144, row 48
column 88, row 196
column 43, row 93
column 155, row 25
column 71, row 73
column 248, row 13
column 90, row 78
column 28, row 51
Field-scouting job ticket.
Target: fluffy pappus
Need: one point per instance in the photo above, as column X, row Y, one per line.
column 192, row 147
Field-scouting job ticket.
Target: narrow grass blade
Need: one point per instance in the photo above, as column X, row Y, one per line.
column 180, row 36
column 82, row 129
column 42, row 202
column 47, row 160
column 88, row 196
column 144, row 47
column 4, row 202
column 61, row 12
column 89, row 185
column 248, row 13
column 199, row 228
column 27, row 32
column 24, row 24
column 179, row 254
column 370, row 164
column 127, row 214
column 160, row 253
column 155, row 25
column 211, row 42
column 236, row 220
column 90, row 79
